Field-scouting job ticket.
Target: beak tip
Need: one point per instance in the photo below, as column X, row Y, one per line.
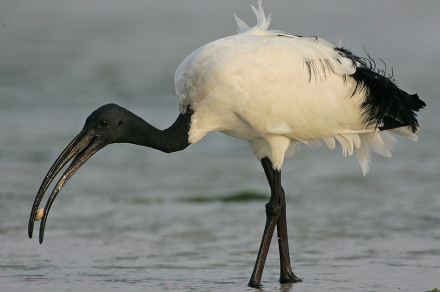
column 30, row 228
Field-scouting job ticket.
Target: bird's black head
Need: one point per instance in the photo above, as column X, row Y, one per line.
column 112, row 124
column 106, row 125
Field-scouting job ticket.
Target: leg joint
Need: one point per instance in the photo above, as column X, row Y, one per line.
column 273, row 209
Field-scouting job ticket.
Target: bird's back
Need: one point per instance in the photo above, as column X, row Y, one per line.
column 274, row 89
column 279, row 84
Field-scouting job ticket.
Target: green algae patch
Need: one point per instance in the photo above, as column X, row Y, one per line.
column 137, row 201
column 240, row 197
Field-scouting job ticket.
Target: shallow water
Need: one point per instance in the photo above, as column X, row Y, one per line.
column 128, row 220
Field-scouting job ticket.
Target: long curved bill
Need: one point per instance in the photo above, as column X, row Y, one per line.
column 82, row 147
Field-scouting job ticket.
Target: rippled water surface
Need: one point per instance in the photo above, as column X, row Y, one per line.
column 134, row 219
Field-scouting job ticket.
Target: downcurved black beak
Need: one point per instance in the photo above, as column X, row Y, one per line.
column 82, row 147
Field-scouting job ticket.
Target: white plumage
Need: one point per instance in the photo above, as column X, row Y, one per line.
column 275, row 90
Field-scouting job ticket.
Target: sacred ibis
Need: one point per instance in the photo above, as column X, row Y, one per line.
column 272, row 89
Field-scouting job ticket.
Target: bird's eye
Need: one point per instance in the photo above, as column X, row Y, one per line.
column 120, row 123
column 103, row 124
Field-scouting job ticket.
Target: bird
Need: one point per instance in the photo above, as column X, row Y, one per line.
column 274, row 90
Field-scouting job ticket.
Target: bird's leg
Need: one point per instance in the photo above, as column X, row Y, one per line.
column 273, row 211
column 286, row 274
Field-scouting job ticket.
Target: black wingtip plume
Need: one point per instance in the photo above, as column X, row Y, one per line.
column 384, row 101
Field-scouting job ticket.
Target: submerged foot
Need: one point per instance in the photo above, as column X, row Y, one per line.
column 254, row 284
column 289, row 278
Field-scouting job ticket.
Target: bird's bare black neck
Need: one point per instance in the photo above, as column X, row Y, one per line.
column 172, row 139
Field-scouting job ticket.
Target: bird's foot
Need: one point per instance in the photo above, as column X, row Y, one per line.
column 289, row 278
column 254, row 284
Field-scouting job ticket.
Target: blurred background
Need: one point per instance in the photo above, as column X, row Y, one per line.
column 128, row 218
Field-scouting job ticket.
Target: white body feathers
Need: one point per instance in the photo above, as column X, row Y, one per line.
column 275, row 90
